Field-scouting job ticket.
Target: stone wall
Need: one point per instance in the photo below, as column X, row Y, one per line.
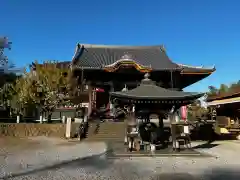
column 32, row 129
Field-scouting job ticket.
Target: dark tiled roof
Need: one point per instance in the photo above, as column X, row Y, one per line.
column 60, row 65
column 148, row 90
column 63, row 64
column 98, row 56
column 226, row 95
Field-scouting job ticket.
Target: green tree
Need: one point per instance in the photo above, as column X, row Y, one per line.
column 212, row 90
column 7, row 93
column 45, row 86
column 196, row 111
column 234, row 86
column 223, row 88
column 24, row 94
column 7, row 78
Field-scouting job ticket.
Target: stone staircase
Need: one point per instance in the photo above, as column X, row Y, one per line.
column 107, row 131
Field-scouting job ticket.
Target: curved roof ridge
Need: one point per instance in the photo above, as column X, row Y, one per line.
column 121, row 46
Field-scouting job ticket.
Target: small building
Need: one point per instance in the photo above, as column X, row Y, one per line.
column 225, row 109
column 226, row 104
column 152, row 99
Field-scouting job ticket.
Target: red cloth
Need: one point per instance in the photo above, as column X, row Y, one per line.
column 184, row 112
column 99, row 90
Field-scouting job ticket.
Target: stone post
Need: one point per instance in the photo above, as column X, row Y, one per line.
column 173, row 130
column 176, row 117
column 41, row 119
column 63, row 119
column 85, row 118
column 126, row 131
column 18, row 119
column 68, row 127
column 125, row 139
column 152, row 148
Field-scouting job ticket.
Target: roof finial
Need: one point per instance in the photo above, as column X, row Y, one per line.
column 163, row 48
column 127, row 56
column 125, row 88
column 146, row 76
column 147, row 80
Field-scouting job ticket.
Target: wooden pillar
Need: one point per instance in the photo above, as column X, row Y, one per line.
column 94, row 98
column 160, row 122
column 173, row 130
column 90, row 89
column 110, row 103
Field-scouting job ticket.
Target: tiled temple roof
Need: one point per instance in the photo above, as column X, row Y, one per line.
column 99, row 56
column 148, row 90
column 155, row 57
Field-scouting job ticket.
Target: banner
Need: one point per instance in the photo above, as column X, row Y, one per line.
column 184, row 113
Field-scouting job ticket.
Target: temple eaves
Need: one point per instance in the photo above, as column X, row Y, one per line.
column 197, row 67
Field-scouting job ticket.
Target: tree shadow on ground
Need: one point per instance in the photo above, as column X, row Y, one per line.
column 206, row 146
column 222, row 173
column 174, row 176
column 99, row 161
column 214, row 174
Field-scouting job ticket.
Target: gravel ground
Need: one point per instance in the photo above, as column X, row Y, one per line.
column 11, row 145
column 50, row 151
column 224, row 164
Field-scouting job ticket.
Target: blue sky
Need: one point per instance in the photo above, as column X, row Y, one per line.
column 194, row 32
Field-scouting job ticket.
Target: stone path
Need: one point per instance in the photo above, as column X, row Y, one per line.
column 224, row 165
column 50, row 152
